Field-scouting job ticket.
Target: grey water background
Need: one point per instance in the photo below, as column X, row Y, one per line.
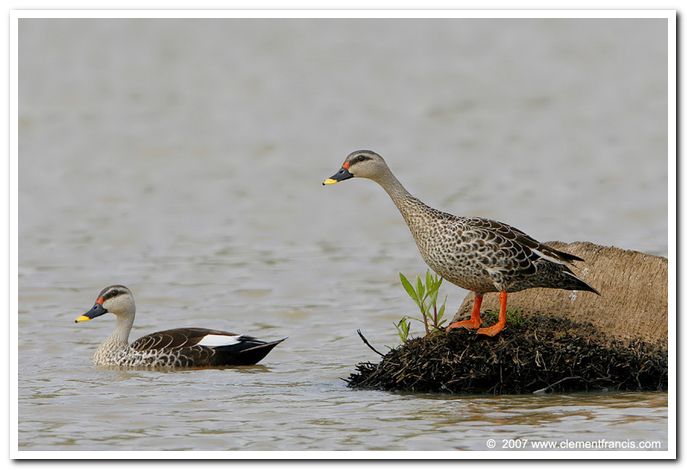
column 183, row 158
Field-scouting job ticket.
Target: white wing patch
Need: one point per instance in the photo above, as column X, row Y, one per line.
column 549, row 258
column 218, row 340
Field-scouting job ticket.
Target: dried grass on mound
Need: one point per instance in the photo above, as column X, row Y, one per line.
column 538, row 353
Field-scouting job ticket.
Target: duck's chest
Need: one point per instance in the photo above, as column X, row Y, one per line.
column 449, row 251
column 441, row 243
column 124, row 356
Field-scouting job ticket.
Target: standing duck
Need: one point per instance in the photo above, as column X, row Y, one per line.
column 179, row 348
column 477, row 254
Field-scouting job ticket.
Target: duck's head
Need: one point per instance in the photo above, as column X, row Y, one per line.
column 363, row 164
column 114, row 299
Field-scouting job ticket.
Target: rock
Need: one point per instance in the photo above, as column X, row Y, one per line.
column 634, row 294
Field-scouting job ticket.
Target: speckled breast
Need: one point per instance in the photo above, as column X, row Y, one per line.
column 454, row 259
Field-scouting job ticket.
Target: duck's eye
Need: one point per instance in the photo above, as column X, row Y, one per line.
column 361, row 158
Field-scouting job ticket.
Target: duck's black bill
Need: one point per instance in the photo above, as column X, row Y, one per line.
column 342, row 174
column 96, row 311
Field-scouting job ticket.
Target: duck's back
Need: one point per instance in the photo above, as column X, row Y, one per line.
column 485, row 255
column 201, row 347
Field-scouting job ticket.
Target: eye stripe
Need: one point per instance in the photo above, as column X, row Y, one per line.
column 111, row 293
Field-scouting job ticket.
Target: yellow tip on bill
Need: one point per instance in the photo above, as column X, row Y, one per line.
column 82, row 318
column 329, row 181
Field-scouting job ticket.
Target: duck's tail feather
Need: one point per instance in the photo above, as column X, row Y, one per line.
column 575, row 283
column 247, row 351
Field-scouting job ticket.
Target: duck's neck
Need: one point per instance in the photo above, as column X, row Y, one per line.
column 407, row 204
column 120, row 336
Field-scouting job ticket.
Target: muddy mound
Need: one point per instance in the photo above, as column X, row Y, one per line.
column 535, row 353
column 633, row 301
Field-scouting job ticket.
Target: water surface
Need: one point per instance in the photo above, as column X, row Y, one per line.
column 184, row 160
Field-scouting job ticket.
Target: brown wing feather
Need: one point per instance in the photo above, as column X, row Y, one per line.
column 518, row 236
column 174, row 339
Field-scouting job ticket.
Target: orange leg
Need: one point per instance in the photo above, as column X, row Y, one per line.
column 496, row 328
column 475, row 320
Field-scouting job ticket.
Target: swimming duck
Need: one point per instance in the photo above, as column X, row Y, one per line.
column 474, row 253
column 178, row 348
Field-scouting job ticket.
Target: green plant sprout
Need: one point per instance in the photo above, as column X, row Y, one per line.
column 425, row 297
column 403, row 328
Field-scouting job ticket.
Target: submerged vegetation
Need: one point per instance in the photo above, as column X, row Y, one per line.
column 534, row 354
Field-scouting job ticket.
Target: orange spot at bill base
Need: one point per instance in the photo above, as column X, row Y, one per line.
column 346, row 165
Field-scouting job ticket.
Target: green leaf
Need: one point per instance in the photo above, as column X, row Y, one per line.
column 403, row 328
column 420, row 289
column 433, row 294
column 440, row 315
column 409, row 288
